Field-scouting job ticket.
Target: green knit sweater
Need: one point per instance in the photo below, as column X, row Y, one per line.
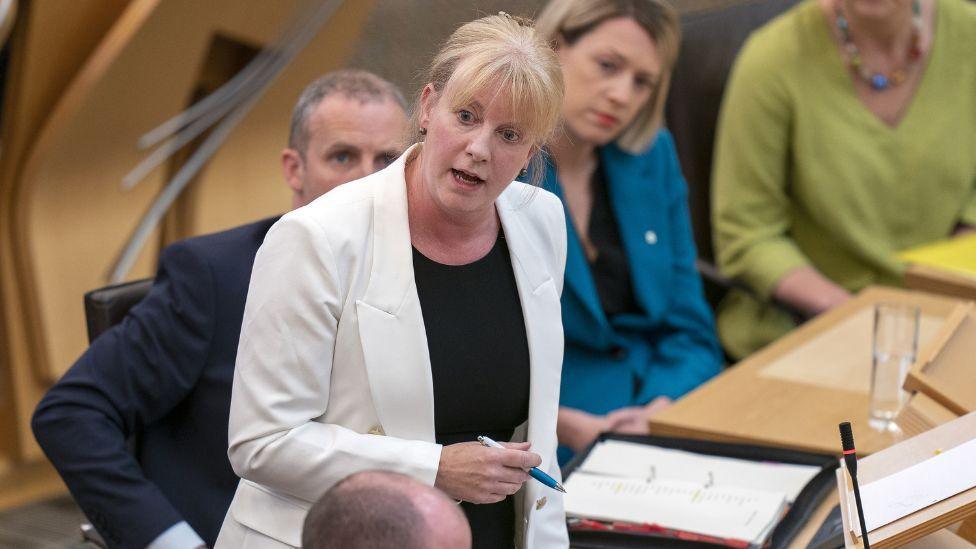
column 805, row 174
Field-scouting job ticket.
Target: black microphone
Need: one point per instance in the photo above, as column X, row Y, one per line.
column 850, row 459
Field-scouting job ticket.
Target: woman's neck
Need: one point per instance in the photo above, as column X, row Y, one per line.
column 573, row 156
column 889, row 35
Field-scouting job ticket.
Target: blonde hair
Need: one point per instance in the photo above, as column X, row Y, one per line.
column 571, row 19
column 506, row 53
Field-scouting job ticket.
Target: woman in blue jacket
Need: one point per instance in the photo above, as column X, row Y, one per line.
column 638, row 330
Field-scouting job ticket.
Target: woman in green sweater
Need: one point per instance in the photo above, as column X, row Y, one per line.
column 847, row 134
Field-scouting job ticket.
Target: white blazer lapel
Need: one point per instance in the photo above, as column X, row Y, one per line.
column 543, row 324
column 391, row 324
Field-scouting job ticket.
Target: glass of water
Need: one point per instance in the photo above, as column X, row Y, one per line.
column 894, row 348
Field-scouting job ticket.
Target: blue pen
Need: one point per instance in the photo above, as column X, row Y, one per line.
column 535, row 472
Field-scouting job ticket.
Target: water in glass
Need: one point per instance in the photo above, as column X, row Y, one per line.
column 894, row 348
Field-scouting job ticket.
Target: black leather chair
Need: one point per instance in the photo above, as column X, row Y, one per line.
column 710, row 43
column 105, row 307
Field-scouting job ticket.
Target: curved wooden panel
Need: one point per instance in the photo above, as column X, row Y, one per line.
column 66, row 209
column 74, row 216
column 51, row 41
column 148, row 75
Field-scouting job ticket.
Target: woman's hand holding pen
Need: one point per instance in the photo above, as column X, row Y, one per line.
column 472, row 472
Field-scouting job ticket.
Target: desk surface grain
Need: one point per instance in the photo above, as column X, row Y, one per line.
column 744, row 405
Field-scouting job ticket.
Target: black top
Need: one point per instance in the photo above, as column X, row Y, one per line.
column 479, row 361
column 611, row 271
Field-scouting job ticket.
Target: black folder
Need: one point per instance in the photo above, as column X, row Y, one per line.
column 795, row 519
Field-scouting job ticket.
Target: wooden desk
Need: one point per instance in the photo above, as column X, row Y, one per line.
column 784, row 396
column 940, row 281
column 794, row 392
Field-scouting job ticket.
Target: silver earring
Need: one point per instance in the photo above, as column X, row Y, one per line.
column 423, row 131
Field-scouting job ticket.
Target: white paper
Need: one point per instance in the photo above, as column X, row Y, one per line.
column 925, row 483
column 628, row 459
column 724, row 512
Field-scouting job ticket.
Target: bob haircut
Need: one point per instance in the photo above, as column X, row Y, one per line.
column 503, row 53
column 571, row 19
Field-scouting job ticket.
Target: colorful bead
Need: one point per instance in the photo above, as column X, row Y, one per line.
column 877, row 80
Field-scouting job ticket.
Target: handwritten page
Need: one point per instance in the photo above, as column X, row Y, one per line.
column 628, row 459
column 724, row 512
column 925, row 483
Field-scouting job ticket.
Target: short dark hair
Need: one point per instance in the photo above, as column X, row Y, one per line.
column 352, row 83
column 365, row 510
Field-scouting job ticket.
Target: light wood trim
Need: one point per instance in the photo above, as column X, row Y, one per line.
column 940, row 281
column 945, row 374
column 943, row 539
column 921, row 414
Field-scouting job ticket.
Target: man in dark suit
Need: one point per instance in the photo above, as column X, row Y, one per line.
column 165, row 372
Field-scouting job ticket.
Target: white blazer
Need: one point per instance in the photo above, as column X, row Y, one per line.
column 333, row 373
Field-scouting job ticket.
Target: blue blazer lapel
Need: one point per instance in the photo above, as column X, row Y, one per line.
column 639, row 215
column 578, row 278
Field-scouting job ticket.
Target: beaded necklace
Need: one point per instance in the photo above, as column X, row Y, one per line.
column 880, row 81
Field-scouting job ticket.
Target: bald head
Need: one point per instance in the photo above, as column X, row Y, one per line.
column 380, row 509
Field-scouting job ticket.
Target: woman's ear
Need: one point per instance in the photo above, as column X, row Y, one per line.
column 428, row 98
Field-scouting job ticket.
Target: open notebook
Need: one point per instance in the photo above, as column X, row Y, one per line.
column 682, row 494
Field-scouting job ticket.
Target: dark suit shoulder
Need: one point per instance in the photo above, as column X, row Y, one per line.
column 229, row 245
column 219, row 264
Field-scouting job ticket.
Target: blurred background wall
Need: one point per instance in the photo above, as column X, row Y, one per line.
column 82, row 81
